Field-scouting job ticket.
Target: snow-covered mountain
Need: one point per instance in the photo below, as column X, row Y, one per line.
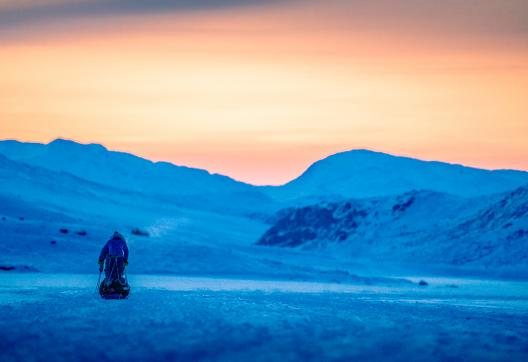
column 353, row 174
column 417, row 227
column 362, row 173
column 204, row 220
column 125, row 172
column 59, row 191
column 93, row 162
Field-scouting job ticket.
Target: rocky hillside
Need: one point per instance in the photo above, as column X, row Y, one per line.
column 419, row 226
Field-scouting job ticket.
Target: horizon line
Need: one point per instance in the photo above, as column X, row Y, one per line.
column 95, row 143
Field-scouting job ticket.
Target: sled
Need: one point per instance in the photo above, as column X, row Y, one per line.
column 114, row 289
column 115, row 286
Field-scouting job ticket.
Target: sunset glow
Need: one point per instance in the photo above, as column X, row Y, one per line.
column 258, row 92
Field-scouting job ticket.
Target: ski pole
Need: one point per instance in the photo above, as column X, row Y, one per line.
column 99, row 281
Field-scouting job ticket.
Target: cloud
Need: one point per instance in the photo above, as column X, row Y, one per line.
column 20, row 13
column 462, row 17
column 497, row 20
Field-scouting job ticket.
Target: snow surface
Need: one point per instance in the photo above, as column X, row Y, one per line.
column 59, row 318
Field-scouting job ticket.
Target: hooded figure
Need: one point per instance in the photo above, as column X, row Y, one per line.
column 114, row 256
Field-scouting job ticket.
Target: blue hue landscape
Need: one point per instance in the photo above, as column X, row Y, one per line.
column 365, row 256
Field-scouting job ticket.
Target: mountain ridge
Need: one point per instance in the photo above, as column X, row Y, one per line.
column 359, row 173
column 363, row 173
column 96, row 163
column 63, row 143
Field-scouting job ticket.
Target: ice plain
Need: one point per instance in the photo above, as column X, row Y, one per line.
column 58, row 317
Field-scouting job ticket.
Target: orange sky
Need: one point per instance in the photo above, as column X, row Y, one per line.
column 259, row 92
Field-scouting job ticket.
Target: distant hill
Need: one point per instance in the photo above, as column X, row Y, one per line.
column 125, row 172
column 37, row 187
column 362, row 174
column 95, row 163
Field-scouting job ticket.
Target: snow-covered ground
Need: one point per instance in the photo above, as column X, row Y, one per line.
column 55, row 317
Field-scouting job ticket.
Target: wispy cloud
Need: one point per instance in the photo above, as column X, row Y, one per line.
column 462, row 17
column 502, row 20
column 20, row 13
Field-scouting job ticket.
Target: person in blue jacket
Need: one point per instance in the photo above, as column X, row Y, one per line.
column 114, row 257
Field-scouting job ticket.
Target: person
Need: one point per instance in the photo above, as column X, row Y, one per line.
column 114, row 257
